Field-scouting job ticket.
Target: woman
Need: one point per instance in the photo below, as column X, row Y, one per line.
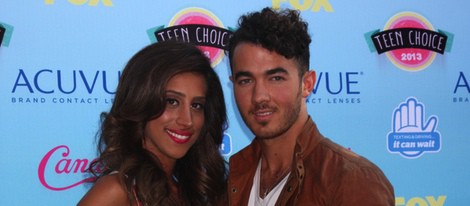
column 159, row 143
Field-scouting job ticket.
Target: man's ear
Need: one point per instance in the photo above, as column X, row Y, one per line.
column 308, row 82
column 231, row 78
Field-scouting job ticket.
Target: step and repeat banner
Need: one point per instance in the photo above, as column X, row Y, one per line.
column 393, row 85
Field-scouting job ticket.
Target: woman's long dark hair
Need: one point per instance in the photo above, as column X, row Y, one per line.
column 140, row 97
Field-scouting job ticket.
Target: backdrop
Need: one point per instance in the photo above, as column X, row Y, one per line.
column 392, row 85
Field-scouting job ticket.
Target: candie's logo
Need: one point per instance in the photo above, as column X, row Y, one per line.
column 411, row 135
column 409, row 41
column 197, row 26
column 57, row 171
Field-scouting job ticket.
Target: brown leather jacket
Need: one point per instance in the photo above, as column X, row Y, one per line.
column 323, row 173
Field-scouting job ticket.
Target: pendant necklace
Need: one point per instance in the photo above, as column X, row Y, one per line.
column 276, row 182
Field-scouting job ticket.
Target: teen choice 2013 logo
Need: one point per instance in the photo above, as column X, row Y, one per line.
column 409, row 41
column 197, row 26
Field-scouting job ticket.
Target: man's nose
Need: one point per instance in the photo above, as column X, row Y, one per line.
column 260, row 93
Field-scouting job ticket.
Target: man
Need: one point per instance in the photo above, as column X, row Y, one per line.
column 289, row 162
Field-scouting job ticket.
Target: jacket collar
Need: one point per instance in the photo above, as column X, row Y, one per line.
column 307, row 140
column 243, row 165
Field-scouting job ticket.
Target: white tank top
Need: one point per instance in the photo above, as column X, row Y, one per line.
column 271, row 198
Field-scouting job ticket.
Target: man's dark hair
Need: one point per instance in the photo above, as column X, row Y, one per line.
column 282, row 31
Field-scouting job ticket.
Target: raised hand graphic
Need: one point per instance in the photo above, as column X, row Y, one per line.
column 409, row 117
column 411, row 134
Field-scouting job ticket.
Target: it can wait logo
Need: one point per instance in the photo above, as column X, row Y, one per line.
column 411, row 135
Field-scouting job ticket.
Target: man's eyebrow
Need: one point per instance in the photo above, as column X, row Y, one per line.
column 267, row 73
column 242, row 74
column 276, row 70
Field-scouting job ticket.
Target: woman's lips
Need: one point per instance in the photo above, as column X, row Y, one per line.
column 179, row 137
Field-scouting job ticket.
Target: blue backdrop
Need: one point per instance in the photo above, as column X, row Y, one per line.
column 392, row 85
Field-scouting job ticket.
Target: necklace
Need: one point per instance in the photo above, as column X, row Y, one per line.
column 265, row 189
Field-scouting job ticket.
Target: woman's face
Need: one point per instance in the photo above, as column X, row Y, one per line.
column 171, row 135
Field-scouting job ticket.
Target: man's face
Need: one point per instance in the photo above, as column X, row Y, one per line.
column 267, row 89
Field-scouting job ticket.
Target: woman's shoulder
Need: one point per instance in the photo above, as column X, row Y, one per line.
column 107, row 190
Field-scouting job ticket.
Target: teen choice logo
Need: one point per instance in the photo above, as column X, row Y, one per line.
column 409, row 41
column 198, row 26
